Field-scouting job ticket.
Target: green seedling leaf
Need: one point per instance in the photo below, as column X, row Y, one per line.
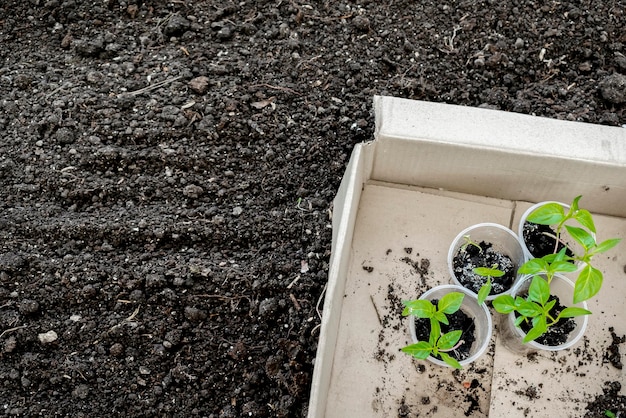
column 420, row 308
column 435, row 331
column 606, row 245
column 519, row 320
column 450, row 303
column 420, row 350
column 560, row 256
column 484, row 291
column 588, row 283
column 548, row 306
column 467, row 242
column 535, row 320
column 582, row 236
column 529, row 309
column 450, row 361
column 573, row 311
column 609, row 414
column 562, row 267
column 440, row 317
column 539, row 290
column 449, row 340
column 548, row 214
column 537, row 330
column 504, row 304
column 585, row 219
column 519, row 301
column 488, row 272
column 574, row 206
column 534, row 266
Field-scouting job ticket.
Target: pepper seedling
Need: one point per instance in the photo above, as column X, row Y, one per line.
column 467, row 241
column 487, row 272
column 590, row 278
column 537, row 306
column 438, row 344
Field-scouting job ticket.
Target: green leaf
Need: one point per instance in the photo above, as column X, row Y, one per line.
column 435, row 331
column 560, row 256
column 451, row 302
column 562, row 267
column 450, row 361
column 574, row 206
column 519, row 301
column 420, row 350
column 536, row 331
column 534, row 266
column 504, row 304
column 440, row 317
column 573, row 311
column 606, row 245
column 529, row 309
column 449, row 340
column 548, row 306
column 582, row 236
column 588, row 283
column 484, row 292
column 539, row 290
column 420, row 308
column 585, row 219
column 488, row 272
column 548, row 214
column 519, row 320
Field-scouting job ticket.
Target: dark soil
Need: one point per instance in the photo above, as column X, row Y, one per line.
column 612, row 354
column 558, row 333
column 167, row 170
column 610, row 400
column 539, row 240
column 459, row 320
column 464, row 263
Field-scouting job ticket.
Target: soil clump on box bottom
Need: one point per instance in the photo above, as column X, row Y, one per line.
column 167, row 171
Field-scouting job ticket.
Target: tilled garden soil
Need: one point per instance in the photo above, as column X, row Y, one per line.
column 167, row 171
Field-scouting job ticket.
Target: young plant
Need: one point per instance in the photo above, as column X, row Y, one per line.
column 590, row 278
column 536, row 308
column 487, row 272
column 438, row 344
column 467, row 241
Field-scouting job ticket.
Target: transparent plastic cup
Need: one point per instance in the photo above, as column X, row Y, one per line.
column 503, row 240
column 512, row 337
column 470, row 306
column 567, row 240
column 522, row 222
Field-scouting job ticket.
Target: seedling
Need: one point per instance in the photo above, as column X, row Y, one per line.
column 487, row 272
column 438, row 344
column 590, row 278
column 535, row 308
column 468, row 241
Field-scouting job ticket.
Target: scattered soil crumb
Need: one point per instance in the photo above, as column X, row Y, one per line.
column 609, row 400
column 612, row 354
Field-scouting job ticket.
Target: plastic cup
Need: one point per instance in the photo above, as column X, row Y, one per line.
column 470, row 306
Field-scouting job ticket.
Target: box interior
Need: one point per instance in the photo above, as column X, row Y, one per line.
column 403, row 199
